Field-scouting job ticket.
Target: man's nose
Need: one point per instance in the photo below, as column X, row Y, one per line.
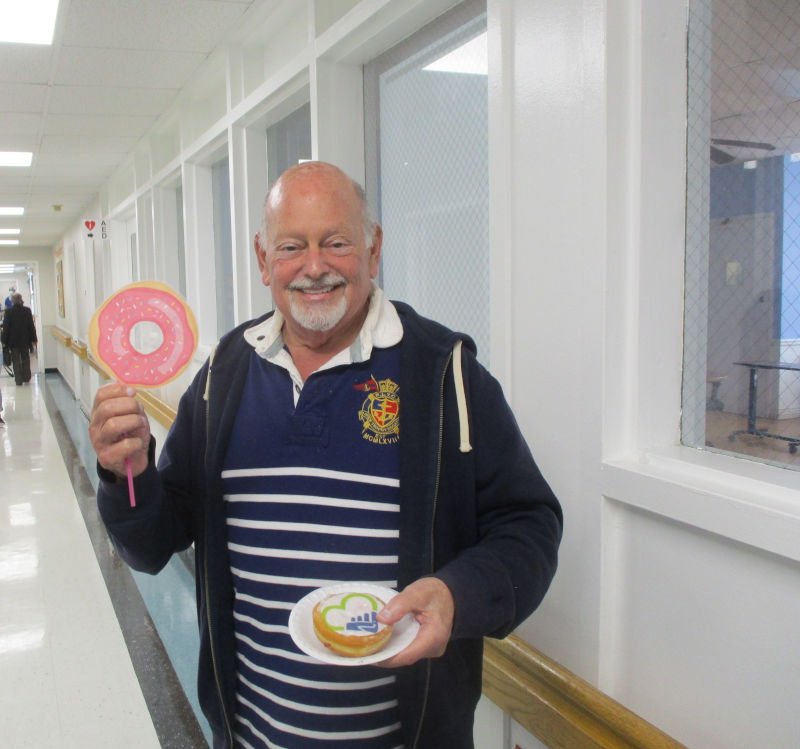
column 316, row 263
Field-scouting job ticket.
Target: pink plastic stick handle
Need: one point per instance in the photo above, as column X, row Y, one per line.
column 131, row 494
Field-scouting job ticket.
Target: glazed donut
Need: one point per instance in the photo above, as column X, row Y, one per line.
column 143, row 302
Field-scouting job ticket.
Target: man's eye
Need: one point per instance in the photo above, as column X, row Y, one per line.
column 339, row 246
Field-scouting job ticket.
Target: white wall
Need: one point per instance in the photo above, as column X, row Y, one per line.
column 677, row 589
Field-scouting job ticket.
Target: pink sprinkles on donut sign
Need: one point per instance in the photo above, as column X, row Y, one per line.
column 143, row 302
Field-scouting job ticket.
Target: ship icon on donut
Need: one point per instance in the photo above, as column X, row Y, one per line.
column 153, row 303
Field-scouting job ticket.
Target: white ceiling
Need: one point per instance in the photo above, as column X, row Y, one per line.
column 82, row 104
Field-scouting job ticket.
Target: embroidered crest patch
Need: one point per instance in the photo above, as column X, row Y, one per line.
column 380, row 412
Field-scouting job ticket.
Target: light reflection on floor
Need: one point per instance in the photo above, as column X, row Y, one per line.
column 62, row 653
column 164, row 647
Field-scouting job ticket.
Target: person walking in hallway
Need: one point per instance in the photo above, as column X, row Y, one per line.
column 19, row 335
column 341, row 438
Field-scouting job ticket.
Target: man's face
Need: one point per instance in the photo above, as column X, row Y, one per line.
column 316, row 259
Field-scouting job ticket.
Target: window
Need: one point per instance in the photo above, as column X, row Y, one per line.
column 133, row 246
column 742, row 308
column 223, row 246
column 428, row 164
column 180, row 249
column 289, row 142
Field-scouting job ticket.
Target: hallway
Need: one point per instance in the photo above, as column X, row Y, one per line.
column 89, row 656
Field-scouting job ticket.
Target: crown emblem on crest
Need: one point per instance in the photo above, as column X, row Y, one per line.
column 387, row 387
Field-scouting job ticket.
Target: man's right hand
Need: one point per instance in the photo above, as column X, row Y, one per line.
column 119, row 429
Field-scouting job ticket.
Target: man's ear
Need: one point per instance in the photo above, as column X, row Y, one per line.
column 261, row 257
column 375, row 251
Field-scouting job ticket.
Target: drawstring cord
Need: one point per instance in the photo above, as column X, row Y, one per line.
column 461, row 400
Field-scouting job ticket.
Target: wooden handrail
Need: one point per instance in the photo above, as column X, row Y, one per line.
column 80, row 348
column 61, row 336
column 157, row 408
column 558, row 707
column 562, row 710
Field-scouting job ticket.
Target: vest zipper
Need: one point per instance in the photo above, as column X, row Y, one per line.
column 431, row 570
column 214, row 666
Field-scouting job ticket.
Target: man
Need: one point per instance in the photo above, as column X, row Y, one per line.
column 19, row 336
column 287, row 469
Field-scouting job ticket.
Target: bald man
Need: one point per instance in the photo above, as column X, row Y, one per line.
column 288, row 470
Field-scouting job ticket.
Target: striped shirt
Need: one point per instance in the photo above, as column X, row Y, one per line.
column 311, row 494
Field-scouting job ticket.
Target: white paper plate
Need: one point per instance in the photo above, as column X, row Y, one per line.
column 301, row 626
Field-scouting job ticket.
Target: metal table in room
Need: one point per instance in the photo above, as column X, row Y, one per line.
column 752, row 399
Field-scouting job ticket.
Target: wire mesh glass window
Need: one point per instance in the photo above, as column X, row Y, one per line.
column 427, row 100
column 742, row 310
column 180, row 248
column 223, row 246
column 288, row 142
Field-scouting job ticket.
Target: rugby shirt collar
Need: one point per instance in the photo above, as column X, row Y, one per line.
column 381, row 329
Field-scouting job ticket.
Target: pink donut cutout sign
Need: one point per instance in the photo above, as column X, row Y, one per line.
column 143, row 302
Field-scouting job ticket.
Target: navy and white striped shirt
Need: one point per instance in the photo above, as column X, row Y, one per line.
column 312, row 499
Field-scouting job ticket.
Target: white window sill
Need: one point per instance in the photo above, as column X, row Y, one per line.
column 742, row 500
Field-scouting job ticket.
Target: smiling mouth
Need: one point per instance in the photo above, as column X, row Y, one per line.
column 319, row 290
column 312, row 290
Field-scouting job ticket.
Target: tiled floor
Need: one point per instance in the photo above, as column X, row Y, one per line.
column 85, row 655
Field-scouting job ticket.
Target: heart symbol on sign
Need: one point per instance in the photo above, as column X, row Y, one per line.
column 89, row 225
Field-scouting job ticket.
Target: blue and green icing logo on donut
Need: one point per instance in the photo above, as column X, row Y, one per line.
column 356, row 613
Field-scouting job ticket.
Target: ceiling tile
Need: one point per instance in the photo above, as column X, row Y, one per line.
column 28, row 141
column 187, row 25
column 23, row 97
column 75, row 124
column 25, row 63
column 11, row 183
column 93, row 100
column 12, row 123
column 78, row 164
column 123, row 67
column 84, row 143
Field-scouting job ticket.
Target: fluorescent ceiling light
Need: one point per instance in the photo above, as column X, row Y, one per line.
column 28, row 21
column 15, row 158
column 9, row 241
column 472, row 57
column 9, row 231
column 8, row 268
column 9, row 210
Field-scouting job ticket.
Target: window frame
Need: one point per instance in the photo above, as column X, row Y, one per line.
column 736, row 498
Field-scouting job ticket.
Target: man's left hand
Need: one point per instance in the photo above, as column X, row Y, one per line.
column 431, row 603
